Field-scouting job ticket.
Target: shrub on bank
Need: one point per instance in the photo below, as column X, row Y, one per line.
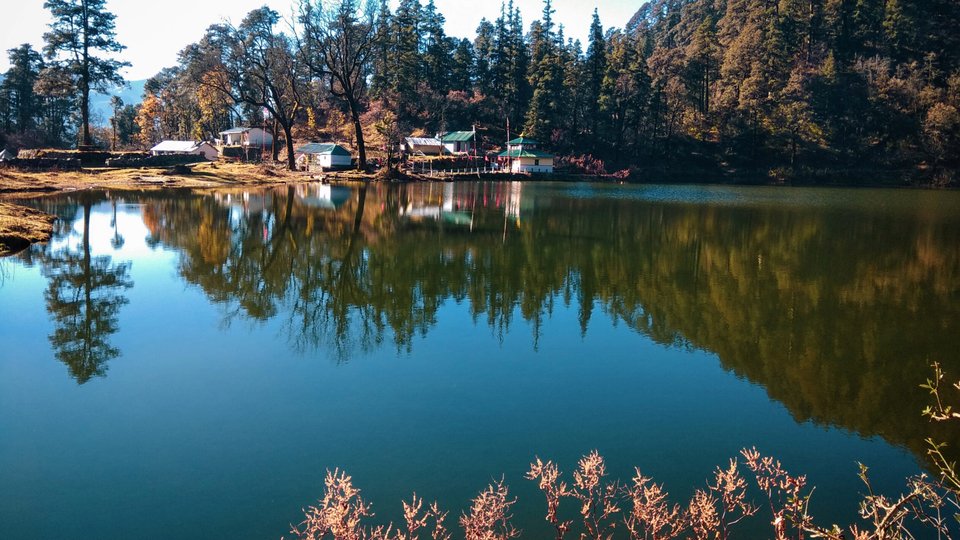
column 640, row 508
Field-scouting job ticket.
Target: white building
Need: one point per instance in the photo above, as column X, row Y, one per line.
column 246, row 137
column 523, row 157
column 191, row 148
column 323, row 156
column 459, row 142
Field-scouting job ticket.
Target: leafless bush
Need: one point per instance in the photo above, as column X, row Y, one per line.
column 489, row 515
column 340, row 513
column 928, row 506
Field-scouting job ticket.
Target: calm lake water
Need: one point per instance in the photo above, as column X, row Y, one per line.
column 181, row 364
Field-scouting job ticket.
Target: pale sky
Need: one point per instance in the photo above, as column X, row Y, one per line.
column 154, row 32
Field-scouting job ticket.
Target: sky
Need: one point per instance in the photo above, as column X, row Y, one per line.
column 154, row 32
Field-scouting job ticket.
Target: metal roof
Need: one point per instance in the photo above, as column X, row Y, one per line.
column 323, row 148
column 235, row 130
column 457, row 136
column 423, row 141
column 177, row 146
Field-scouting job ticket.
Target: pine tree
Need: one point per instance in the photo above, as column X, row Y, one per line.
column 702, row 59
column 898, row 28
column 408, row 61
column 57, row 94
column 80, row 29
column 577, row 100
column 436, row 50
column 484, row 46
column 462, row 66
column 546, row 79
column 596, row 70
column 382, row 78
column 25, row 67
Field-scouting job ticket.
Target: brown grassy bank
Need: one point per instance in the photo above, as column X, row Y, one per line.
column 21, row 226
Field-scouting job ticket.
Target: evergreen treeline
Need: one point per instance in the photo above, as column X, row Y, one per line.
column 45, row 99
column 740, row 85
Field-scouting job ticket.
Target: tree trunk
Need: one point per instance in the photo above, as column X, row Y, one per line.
column 85, row 82
column 355, row 113
column 288, row 135
column 275, row 148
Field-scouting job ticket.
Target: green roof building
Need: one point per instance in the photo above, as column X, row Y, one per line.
column 459, row 142
column 525, row 158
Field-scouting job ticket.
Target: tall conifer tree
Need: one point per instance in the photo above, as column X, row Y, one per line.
column 80, row 30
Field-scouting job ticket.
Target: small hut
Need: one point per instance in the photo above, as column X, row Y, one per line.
column 185, row 148
column 323, row 156
column 246, row 137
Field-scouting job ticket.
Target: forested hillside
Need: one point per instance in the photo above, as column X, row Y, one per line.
column 825, row 84
column 785, row 88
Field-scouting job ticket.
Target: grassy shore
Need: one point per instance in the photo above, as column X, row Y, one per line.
column 21, row 226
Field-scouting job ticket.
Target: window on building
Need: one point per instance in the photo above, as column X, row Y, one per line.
column 536, row 162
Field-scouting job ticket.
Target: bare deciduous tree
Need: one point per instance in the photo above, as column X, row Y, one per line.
column 338, row 44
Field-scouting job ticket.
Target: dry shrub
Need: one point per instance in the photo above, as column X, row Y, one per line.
column 341, row 512
column 489, row 515
column 548, row 476
column 583, row 164
column 643, row 509
column 928, row 507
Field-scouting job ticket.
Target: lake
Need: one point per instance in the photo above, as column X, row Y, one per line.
column 189, row 364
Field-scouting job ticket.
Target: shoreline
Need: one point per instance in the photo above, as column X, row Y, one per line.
column 21, row 226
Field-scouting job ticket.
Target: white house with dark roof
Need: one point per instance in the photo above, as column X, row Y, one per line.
column 323, row 156
column 524, row 157
column 188, row 148
column 247, row 137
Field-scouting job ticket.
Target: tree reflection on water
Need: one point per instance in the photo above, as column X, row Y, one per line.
column 84, row 296
column 836, row 310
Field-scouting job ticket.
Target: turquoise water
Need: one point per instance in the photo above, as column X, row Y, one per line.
column 181, row 364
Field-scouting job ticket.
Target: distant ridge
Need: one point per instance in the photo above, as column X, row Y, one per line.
column 100, row 111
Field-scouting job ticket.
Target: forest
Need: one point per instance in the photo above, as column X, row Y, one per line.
column 821, row 89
